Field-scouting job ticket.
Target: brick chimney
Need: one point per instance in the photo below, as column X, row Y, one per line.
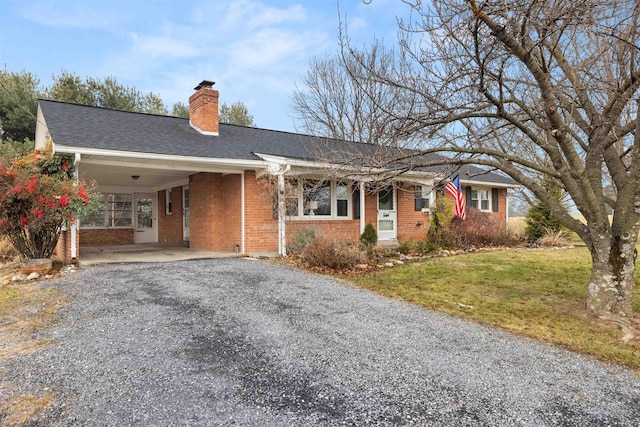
column 203, row 108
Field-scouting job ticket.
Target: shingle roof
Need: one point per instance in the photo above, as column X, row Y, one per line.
column 82, row 126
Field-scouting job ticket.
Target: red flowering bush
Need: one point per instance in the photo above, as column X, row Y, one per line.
column 38, row 195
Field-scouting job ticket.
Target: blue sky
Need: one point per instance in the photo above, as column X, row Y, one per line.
column 255, row 50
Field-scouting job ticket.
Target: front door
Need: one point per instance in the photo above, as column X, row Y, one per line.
column 145, row 224
column 387, row 214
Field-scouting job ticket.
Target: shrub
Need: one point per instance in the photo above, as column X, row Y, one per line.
column 333, row 254
column 38, row 195
column 477, row 230
column 426, row 247
column 369, row 236
column 554, row 238
column 406, row 247
column 539, row 218
column 301, row 239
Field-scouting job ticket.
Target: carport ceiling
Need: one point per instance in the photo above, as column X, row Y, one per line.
column 121, row 176
column 153, row 173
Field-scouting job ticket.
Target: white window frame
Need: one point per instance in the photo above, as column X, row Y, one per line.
column 427, row 192
column 104, row 200
column 299, row 191
column 168, row 205
column 479, row 200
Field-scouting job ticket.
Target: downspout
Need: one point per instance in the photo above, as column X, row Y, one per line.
column 506, row 204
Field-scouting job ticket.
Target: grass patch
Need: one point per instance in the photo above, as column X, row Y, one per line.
column 24, row 308
column 536, row 293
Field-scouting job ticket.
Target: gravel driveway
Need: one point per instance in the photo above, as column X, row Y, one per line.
column 245, row 342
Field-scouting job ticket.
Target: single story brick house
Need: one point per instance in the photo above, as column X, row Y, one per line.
column 215, row 186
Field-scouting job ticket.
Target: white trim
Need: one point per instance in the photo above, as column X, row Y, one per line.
column 242, row 203
column 42, row 130
column 333, row 186
column 167, row 157
column 465, row 183
column 489, row 198
column 306, row 165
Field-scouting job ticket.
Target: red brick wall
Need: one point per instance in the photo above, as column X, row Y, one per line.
column 332, row 229
column 106, row 236
column 261, row 230
column 232, row 200
column 216, row 215
column 409, row 218
column 498, row 218
column 63, row 247
column 206, row 212
column 170, row 226
column 371, row 209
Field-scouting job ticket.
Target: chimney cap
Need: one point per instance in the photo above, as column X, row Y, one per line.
column 204, row 83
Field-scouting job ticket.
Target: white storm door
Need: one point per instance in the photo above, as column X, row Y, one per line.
column 387, row 214
column 145, row 221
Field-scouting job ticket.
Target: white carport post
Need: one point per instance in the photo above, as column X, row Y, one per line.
column 282, row 232
column 76, row 224
column 279, row 169
column 362, row 210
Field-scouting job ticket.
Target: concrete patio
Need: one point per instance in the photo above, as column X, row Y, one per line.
column 148, row 252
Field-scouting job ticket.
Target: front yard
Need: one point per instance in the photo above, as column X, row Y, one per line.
column 536, row 293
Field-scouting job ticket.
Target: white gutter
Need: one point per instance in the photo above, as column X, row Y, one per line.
column 162, row 157
column 506, row 199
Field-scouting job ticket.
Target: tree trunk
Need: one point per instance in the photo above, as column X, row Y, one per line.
column 611, row 283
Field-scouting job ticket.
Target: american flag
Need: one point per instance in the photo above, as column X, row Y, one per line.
column 455, row 190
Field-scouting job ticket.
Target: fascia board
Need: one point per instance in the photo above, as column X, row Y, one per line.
column 252, row 164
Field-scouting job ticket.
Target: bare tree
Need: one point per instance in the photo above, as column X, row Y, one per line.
column 539, row 89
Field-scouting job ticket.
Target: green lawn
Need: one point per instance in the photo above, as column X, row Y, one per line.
column 537, row 293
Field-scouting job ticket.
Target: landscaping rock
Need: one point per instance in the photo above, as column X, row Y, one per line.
column 69, row 269
column 399, row 262
column 33, row 276
column 19, row 278
column 388, row 264
column 361, row 266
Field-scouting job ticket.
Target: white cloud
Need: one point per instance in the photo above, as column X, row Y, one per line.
column 165, row 47
column 76, row 16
